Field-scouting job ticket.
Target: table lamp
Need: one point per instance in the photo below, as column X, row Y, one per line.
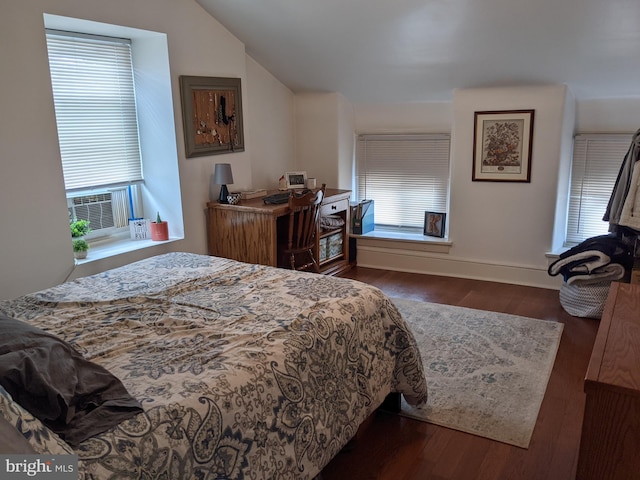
column 222, row 176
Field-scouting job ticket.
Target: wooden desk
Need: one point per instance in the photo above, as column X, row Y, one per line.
column 250, row 231
column 610, row 442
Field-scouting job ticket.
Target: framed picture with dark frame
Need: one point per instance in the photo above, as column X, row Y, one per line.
column 211, row 115
column 502, row 144
column 296, row 179
column 434, row 224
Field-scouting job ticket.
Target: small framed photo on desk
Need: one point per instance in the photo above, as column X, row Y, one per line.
column 296, row 179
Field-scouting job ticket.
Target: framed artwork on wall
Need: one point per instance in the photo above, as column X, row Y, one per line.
column 434, row 224
column 502, row 144
column 211, row 115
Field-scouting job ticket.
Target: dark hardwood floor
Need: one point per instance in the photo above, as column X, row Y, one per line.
column 390, row 447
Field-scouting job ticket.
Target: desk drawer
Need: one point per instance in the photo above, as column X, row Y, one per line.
column 334, row 207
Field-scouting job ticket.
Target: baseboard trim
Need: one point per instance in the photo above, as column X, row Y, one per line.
column 423, row 262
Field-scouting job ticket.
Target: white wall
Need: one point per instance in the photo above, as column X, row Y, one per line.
column 507, row 224
column 282, row 132
column 564, row 174
column 346, row 144
column 608, row 115
column 499, row 231
column 324, row 139
column 35, row 248
column 271, row 126
column 403, row 118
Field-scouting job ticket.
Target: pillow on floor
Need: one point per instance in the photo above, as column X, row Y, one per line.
column 74, row 397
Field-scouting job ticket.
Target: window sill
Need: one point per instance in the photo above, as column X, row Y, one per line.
column 403, row 240
column 402, row 236
column 555, row 253
column 117, row 245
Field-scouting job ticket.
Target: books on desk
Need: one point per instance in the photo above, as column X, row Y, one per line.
column 253, row 194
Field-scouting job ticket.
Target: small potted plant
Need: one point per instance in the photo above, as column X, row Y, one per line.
column 80, row 247
column 79, row 228
column 159, row 229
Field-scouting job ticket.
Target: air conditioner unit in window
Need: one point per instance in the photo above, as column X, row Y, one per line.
column 102, row 210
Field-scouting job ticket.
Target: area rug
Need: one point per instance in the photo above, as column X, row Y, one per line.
column 486, row 372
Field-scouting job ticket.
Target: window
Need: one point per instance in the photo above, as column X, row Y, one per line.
column 106, row 210
column 596, row 162
column 94, row 98
column 143, row 178
column 405, row 175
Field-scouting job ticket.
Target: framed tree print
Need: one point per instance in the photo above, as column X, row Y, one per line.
column 502, row 144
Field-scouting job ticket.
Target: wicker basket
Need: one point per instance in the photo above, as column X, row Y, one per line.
column 584, row 300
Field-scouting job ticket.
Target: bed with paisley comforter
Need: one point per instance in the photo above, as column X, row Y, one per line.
column 238, row 371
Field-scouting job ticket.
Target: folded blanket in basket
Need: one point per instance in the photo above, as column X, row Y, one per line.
column 580, row 263
column 591, row 256
column 611, row 272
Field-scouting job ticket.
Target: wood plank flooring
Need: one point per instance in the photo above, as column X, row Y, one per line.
column 390, row 447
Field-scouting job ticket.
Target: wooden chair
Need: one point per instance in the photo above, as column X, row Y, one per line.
column 304, row 220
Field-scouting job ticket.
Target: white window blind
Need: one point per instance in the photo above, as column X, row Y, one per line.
column 405, row 175
column 94, row 96
column 597, row 159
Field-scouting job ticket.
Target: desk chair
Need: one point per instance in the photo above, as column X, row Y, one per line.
column 304, row 220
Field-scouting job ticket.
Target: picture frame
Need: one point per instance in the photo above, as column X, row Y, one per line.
column 434, row 224
column 502, row 146
column 296, row 179
column 211, row 115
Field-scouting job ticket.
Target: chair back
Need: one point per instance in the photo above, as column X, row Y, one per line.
column 304, row 220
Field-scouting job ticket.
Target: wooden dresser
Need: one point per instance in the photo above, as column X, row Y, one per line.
column 250, row 231
column 610, row 443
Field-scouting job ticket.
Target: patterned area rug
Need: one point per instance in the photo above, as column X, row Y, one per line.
column 486, row 372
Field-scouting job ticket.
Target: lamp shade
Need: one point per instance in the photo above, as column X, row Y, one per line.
column 222, row 174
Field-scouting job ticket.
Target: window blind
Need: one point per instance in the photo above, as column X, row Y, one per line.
column 597, row 159
column 94, row 97
column 405, row 175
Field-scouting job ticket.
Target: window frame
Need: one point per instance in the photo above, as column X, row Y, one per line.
column 161, row 190
column 403, row 184
column 595, row 163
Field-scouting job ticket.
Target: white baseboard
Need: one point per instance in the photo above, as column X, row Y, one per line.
column 426, row 262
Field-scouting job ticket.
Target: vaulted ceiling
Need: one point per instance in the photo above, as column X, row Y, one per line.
column 381, row 51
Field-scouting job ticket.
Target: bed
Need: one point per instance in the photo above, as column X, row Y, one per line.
column 234, row 370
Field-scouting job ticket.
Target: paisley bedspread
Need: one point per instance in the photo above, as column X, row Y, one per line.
column 243, row 371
